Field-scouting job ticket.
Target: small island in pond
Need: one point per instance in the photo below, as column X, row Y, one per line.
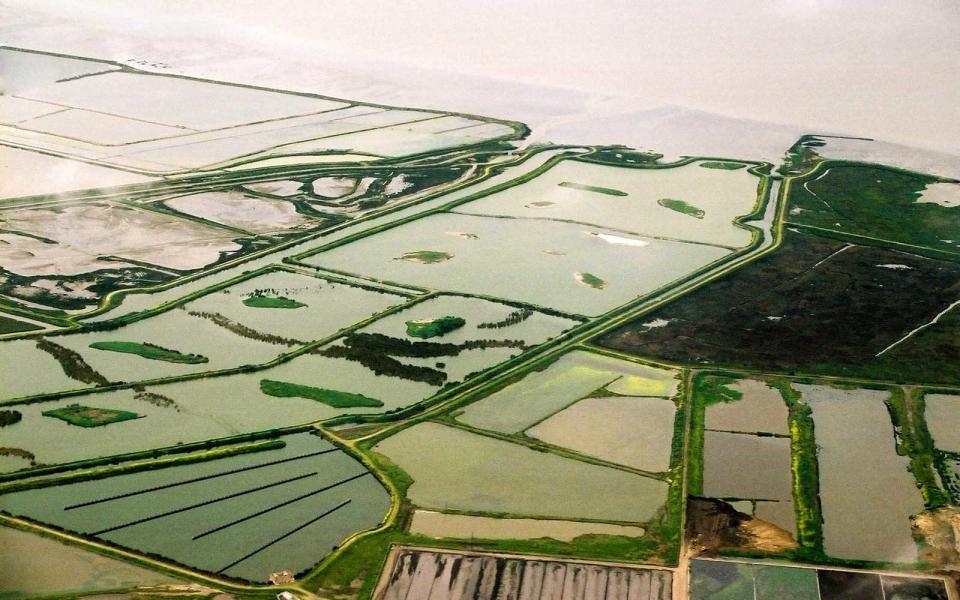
column 591, row 188
column 150, row 351
column 682, row 207
column 88, row 416
column 591, row 280
column 427, row 257
column 722, row 164
column 333, row 398
column 271, row 302
column 428, row 328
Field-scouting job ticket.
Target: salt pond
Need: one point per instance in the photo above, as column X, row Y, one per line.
column 452, row 468
column 257, row 335
column 760, row 409
column 446, row 525
column 636, row 432
column 35, row 566
column 523, row 270
column 542, row 393
column 863, row 481
column 942, row 420
column 744, row 466
column 84, row 232
column 227, row 515
column 255, row 215
column 722, row 195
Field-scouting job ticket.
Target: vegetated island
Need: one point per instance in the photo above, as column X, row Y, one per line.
column 9, row 417
column 722, row 164
column 591, row 188
column 427, row 257
column 88, row 416
column 271, row 302
column 591, row 280
column 428, row 328
column 682, row 207
column 333, row 398
column 151, row 351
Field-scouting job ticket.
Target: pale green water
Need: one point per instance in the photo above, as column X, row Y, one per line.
column 222, row 406
column 636, row 432
column 162, row 99
column 330, row 307
column 138, row 302
column 510, row 259
column 26, row 370
column 171, row 536
column 542, row 393
column 723, row 195
column 456, row 469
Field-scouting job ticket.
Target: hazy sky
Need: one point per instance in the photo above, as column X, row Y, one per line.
column 884, row 69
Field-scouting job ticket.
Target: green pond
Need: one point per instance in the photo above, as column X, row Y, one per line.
column 230, row 515
column 542, row 393
column 534, row 261
column 456, row 469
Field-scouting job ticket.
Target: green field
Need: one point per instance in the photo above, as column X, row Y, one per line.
column 592, row 188
column 334, row 398
column 151, row 351
column 722, row 164
column 88, row 416
column 8, row 325
column 879, row 203
column 434, row 327
column 271, row 302
column 682, row 207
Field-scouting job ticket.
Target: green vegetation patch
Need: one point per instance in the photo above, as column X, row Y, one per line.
column 334, row 398
column 151, row 351
column 591, row 188
column 879, row 203
column 722, row 164
column 427, row 257
column 434, row 327
column 271, row 302
column 88, row 416
column 9, row 417
column 591, row 280
column 682, row 207
column 8, row 325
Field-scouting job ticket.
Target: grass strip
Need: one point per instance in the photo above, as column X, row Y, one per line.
column 591, row 188
column 334, row 398
column 150, row 351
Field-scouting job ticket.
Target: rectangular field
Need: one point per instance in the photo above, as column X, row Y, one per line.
column 725, row 580
column 567, row 266
column 427, row 574
column 452, row 468
column 863, row 481
column 632, row 200
column 245, row 516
